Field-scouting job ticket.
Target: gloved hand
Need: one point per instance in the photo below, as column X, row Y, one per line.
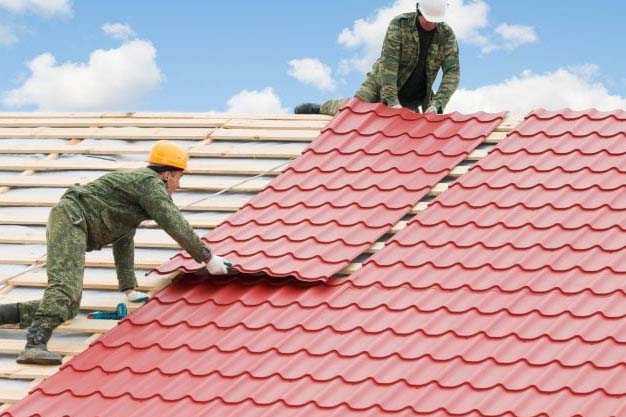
column 431, row 110
column 218, row 265
column 396, row 106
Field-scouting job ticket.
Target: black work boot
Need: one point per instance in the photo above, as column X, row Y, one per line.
column 307, row 108
column 36, row 352
column 9, row 313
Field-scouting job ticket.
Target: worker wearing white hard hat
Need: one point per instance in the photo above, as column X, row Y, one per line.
column 417, row 46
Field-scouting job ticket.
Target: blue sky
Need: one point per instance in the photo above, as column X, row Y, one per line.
column 209, row 51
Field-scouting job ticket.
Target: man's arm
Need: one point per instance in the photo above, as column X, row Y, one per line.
column 389, row 64
column 124, row 255
column 159, row 205
column 451, row 74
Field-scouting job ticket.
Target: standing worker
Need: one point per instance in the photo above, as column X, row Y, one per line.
column 416, row 46
column 105, row 211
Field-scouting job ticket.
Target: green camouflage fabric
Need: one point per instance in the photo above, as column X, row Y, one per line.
column 67, row 244
column 398, row 59
column 105, row 211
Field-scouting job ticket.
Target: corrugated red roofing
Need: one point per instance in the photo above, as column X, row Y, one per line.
column 502, row 299
column 368, row 168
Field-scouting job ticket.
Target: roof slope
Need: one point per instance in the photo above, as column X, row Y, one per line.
column 369, row 168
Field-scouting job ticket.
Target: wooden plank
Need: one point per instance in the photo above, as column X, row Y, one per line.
column 297, row 124
column 251, row 167
column 14, row 220
column 212, row 184
column 130, row 133
column 161, row 242
column 63, row 347
column 109, row 283
column 206, row 151
column 12, row 395
column 264, row 135
column 91, row 122
column 7, row 259
column 85, row 325
column 496, row 137
column 36, row 201
column 19, row 371
column 478, row 154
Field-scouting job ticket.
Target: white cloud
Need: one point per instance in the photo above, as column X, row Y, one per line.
column 514, row 36
column 111, row 79
column 576, row 88
column 468, row 18
column 118, row 30
column 313, row 72
column 255, row 101
column 7, row 36
column 46, row 8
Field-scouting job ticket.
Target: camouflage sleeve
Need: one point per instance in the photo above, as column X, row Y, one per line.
column 389, row 64
column 124, row 255
column 159, row 205
column 451, row 73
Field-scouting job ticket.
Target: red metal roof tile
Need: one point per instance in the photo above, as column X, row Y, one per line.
column 500, row 300
column 368, row 168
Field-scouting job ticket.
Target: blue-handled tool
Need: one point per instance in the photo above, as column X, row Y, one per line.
column 120, row 312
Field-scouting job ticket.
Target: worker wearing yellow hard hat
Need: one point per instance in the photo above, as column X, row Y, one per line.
column 104, row 212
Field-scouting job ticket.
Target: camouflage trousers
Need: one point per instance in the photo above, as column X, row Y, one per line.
column 67, row 244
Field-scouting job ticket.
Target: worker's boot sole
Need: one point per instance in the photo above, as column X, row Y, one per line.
column 39, row 356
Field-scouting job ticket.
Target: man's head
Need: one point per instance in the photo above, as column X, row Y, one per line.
column 432, row 11
column 170, row 161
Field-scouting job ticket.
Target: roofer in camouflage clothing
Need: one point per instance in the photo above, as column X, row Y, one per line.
column 105, row 211
column 416, row 46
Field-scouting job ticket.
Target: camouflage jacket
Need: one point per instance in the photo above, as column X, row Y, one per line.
column 110, row 209
column 399, row 58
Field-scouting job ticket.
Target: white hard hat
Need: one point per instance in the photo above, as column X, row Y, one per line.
column 433, row 10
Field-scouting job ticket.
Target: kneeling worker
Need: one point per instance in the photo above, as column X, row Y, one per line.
column 105, row 211
column 416, row 47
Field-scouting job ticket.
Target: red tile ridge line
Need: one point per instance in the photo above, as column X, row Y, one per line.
column 385, row 151
column 542, row 186
column 401, row 384
column 591, row 170
column 571, row 115
column 349, row 186
column 366, row 169
column 286, row 254
column 474, row 223
column 300, row 327
column 441, row 358
column 341, row 378
column 315, row 239
column 527, row 206
column 568, row 133
column 411, row 116
column 518, row 226
column 498, row 149
column 253, row 205
column 526, row 269
column 508, row 245
column 164, row 270
column 377, row 407
column 360, row 132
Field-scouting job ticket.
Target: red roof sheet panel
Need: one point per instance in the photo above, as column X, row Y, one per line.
column 368, row 168
column 477, row 308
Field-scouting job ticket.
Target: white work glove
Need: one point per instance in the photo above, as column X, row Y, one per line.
column 396, row 106
column 431, row 110
column 218, row 265
column 133, row 296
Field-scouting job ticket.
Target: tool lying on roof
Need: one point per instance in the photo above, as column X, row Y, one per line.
column 120, row 312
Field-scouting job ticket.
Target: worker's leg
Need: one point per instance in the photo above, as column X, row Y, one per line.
column 19, row 313
column 67, row 243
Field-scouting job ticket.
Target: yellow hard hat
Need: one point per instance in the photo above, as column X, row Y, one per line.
column 169, row 154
